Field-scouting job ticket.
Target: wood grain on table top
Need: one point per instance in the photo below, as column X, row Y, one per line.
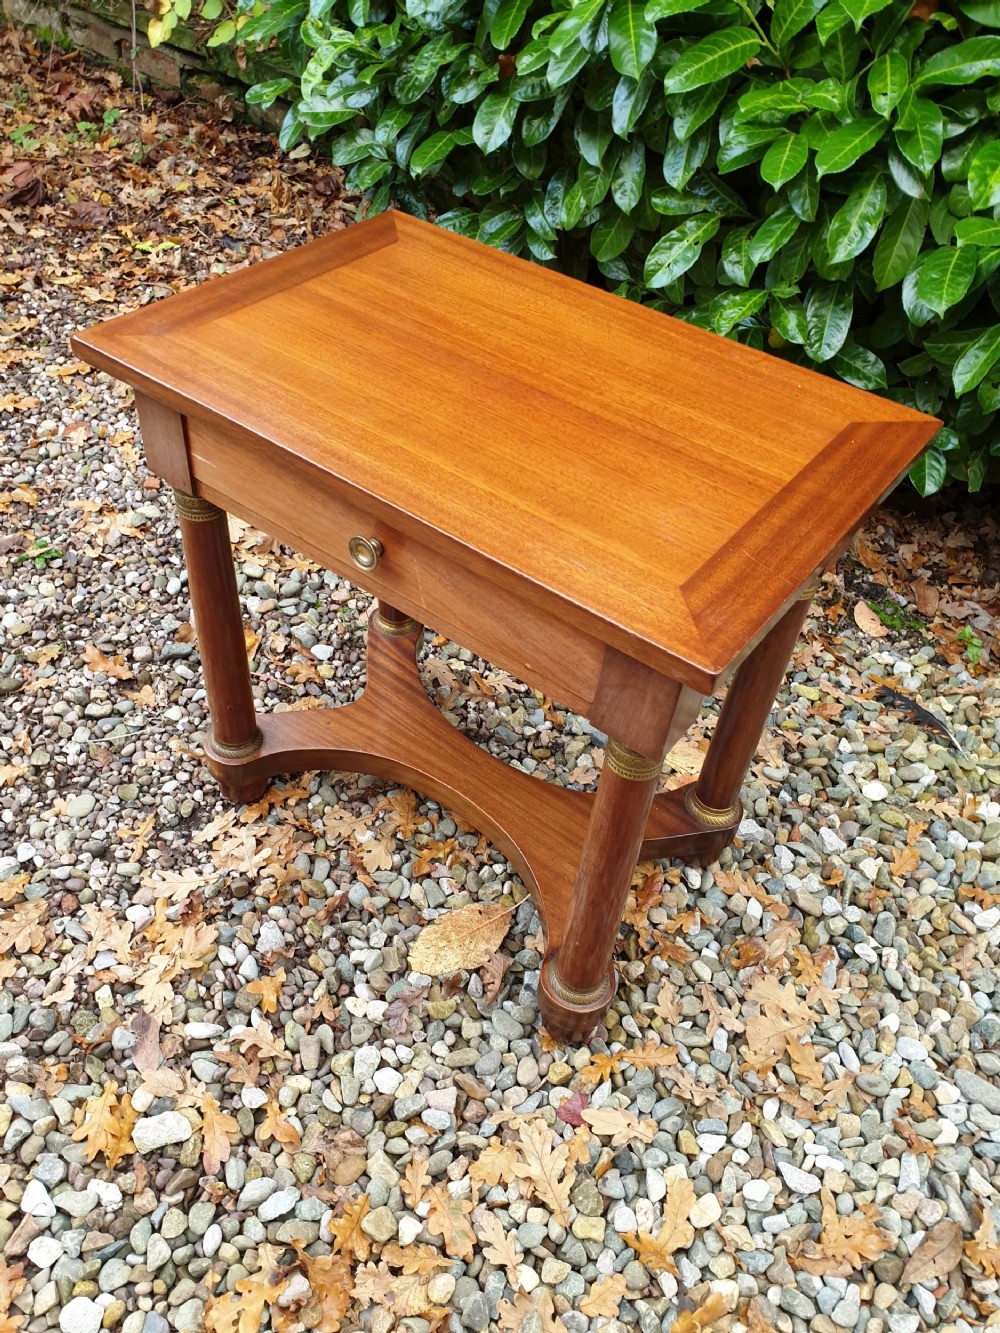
column 671, row 483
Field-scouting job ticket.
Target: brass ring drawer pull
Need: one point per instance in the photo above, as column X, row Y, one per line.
column 365, row 552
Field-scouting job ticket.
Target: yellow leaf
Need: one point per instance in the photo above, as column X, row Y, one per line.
column 465, row 938
column 416, row 1179
column 604, row 1297
column 348, row 1238
column 268, row 988
column 693, row 1321
column 97, row 662
column 106, row 1126
column 676, row 1232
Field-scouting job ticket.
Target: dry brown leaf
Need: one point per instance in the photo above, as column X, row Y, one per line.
column 544, row 1165
column 938, row 1254
column 904, row 861
column 466, row 938
column 96, row 661
column 21, row 929
column 449, row 1218
column 805, row 1065
column 693, row 1321
column 422, row 1259
column 538, row 1308
column 242, row 1310
column 403, row 1296
column 218, row 1129
column 867, row 621
column 604, row 1297
column 348, row 1238
column 329, row 1277
column 846, row 1243
column 276, row 1125
column 268, row 988
column 12, row 1283
column 494, row 1164
column 756, row 1321
column 416, row 1179
column 622, row 1127
column 106, row 1126
column 500, row 1247
column 983, row 1248
column 676, row 1232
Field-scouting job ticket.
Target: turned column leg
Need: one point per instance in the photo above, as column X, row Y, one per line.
column 578, row 982
column 714, row 799
column 212, row 582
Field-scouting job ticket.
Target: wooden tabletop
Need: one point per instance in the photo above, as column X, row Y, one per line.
column 673, row 484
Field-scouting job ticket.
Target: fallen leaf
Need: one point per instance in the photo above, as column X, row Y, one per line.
column 676, row 1232
column 403, row 1297
column 500, row 1247
column 982, row 1249
column 604, row 1297
column 348, row 1238
column 867, row 621
column 465, row 938
column 544, row 1165
column 715, row 1308
column 926, row 596
column 622, row 1127
column 97, row 662
column 106, row 1126
column 276, row 1125
column 416, row 1179
column 12, row 1283
column 218, row 1129
column 938, row 1254
column 570, row 1112
column 529, row 1312
column 846, row 1243
column 449, row 1218
column 268, row 988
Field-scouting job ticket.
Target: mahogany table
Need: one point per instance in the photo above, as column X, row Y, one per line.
column 610, row 504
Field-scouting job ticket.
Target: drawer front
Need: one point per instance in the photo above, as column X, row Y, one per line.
column 446, row 586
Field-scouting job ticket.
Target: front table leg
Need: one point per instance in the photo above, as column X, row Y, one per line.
column 714, row 798
column 219, row 622
column 578, row 982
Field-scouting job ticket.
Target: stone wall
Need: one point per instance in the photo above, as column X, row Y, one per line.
column 105, row 28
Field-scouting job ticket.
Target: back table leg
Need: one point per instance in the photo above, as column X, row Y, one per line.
column 715, row 798
column 219, row 622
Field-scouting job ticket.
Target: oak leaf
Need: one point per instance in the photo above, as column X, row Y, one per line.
column 242, row 1310
column 276, row 1125
column 449, row 1218
column 329, row 1277
column 106, row 1126
column 268, row 988
column 218, row 1129
column 96, row 661
column 983, row 1248
column 466, row 938
column 348, row 1238
column 404, row 1296
column 846, row 1243
column 676, row 1232
column 494, row 1164
column 937, row 1255
column 421, row 1259
column 525, row 1312
column 604, row 1297
column 904, row 861
column 715, row 1308
column 500, row 1247
column 21, row 929
column 544, row 1165
column 12, row 1283
column 805, row 1065
column 622, row 1127
column 416, row 1179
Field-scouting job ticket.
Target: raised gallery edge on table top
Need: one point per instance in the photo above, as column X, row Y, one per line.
column 674, row 486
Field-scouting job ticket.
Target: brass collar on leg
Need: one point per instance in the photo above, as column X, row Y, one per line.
column 194, row 508
column 809, row 591
column 396, row 628
column 706, row 814
column 241, row 751
column 569, row 995
column 628, row 764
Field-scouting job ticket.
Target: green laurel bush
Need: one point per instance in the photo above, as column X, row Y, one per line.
column 820, row 178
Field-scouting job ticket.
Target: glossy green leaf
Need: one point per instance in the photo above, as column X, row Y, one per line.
column 791, row 16
column 907, row 179
column 986, row 12
column 725, row 311
column 773, row 233
column 631, row 37
column 841, row 53
column 860, row 10
column 573, row 30
column 859, row 366
column 629, row 174
column 887, row 81
column 900, row 242
column 736, row 261
column 684, row 156
column 674, row 253
column 712, row 58
column 961, row 63
column 745, row 144
column 690, row 111
column 784, row 159
column 630, row 99
column 666, row 9
column 267, row 93
column 978, row 231
column 435, row 149
column 829, row 307
column 507, row 22
column 855, row 223
column 419, row 70
column 844, row 146
column 984, row 177
column 944, row 277
column 976, row 469
column 921, row 133
column 929, row 472
column 611, row 235
column 494, row 120
column 788, row 316
column 977, row 361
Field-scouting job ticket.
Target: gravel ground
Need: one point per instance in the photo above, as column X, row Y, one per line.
column 226, row 1098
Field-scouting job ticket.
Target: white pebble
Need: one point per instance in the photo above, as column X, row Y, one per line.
column 44, row 1251
column 874, row 791
column 156, row 1131
column 706, row 1211
column 35, row 1201
column 81, row 1315
column 756, row 1191
column 801, row 1182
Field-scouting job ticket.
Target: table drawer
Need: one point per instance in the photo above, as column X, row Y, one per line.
column 438, row 581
